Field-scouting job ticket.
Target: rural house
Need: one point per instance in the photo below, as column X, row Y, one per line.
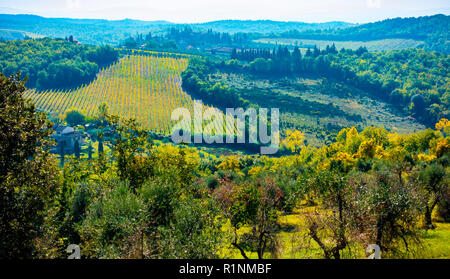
column 67, row 137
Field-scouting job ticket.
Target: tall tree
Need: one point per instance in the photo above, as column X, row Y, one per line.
column 28, row 173
column 77, row 149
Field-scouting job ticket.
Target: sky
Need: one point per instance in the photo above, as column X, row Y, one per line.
column 194, row 11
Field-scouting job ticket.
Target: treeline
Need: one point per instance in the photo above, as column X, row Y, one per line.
column 413, row 80
column 281, row 61
column 88, row 31
column 187, row 36
column 196, row 82
column 186, row 39
column 54, row 63
column 150, row 42
column 433, row 30
column 153, row 201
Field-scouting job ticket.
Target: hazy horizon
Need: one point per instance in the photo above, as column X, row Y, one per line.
column 199, row 11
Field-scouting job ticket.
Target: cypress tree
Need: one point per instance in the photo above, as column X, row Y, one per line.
column 76, row 148
column 90, row 151
column 100, row 147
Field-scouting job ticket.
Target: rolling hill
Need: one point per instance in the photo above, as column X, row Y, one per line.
column 145, row 86
column 88, row 31
column 99, row 31
column 268, row 26
column 433, row 30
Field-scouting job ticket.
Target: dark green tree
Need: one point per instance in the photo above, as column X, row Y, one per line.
column 90, row 148
column 100, row 147
column 77, row 150
column 75, row 118
column 431, row 179
column 28, row 173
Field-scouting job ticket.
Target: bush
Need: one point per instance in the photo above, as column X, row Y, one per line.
column 113, row 225
column 212, row 182
column 194, row 233
column 74, row 118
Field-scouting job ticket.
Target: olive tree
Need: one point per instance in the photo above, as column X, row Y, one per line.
column 28, row 173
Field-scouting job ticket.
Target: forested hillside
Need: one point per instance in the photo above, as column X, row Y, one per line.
column 414, row 80
column 267, row 26
column 50, row 63
column 98, row 32
column 434, row 30
column 88, row 31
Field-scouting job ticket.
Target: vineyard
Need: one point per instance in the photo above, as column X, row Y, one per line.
column 145, row 87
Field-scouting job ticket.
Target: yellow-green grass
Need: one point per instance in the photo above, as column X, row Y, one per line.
column 436, row 243
column 294, row 242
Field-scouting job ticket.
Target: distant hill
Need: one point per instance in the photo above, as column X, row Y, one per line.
column 268, row 26
column 98, row 31
column 87, row 31
column 433, row 30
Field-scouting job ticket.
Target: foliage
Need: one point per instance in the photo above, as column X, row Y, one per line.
column 29, row 178
column 294, row 141
column 195, row 81
column 50, row 63
column 74, row 118
column 432, row 180
column 413, row 80
column 147, row 199
column 255, row 205
column 432, row 29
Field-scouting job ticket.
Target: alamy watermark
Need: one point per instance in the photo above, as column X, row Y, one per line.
column 75, row 252
column 210, row 125
column 373, row 250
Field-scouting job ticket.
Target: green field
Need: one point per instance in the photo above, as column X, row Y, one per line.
column 386, row 44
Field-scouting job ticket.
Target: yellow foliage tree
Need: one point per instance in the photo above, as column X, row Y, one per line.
column 256, row 170
column 442, row 147
column 294, row 141
column 367, row 149
column 443, row 125
column 230, row 163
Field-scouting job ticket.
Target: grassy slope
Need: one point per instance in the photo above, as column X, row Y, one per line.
column 7, row 34
column 320, row 107
column 386, row 44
